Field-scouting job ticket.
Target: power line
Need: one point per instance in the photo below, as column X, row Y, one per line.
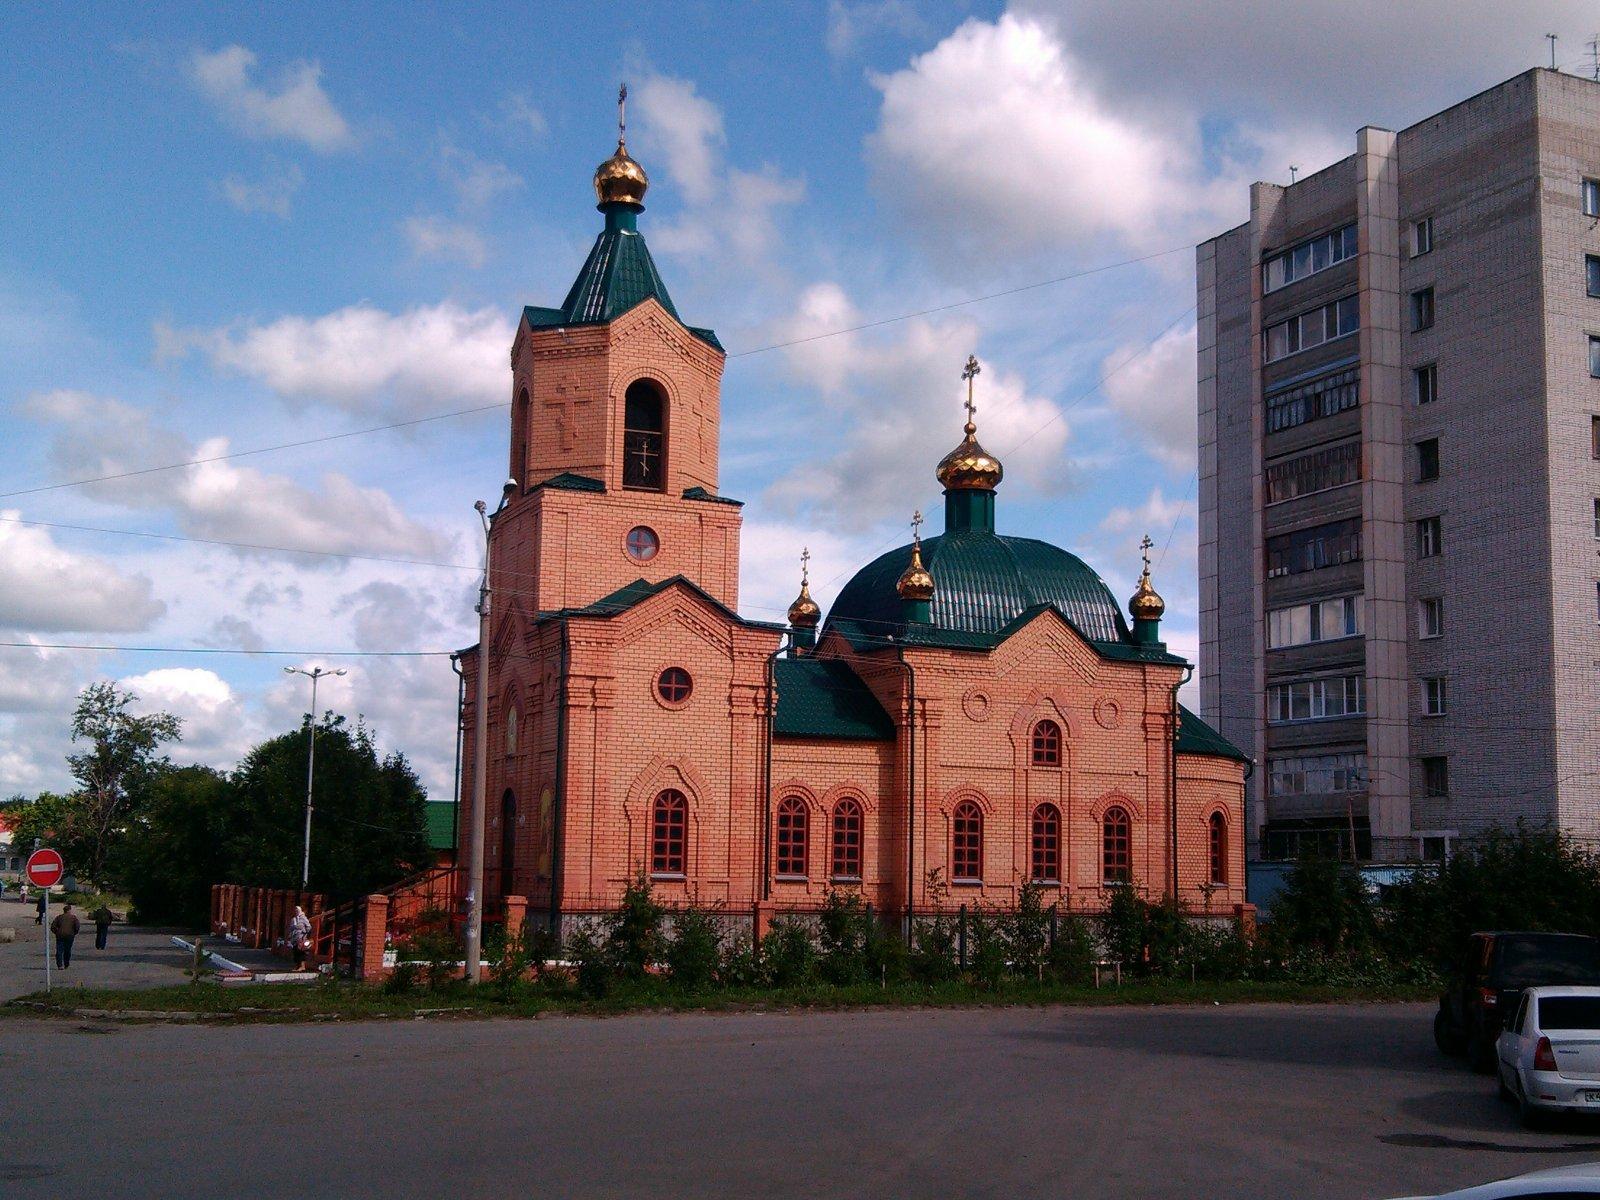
column 230, row 650
column 331, row 437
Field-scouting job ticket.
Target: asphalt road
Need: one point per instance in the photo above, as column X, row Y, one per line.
column 1250, row 1101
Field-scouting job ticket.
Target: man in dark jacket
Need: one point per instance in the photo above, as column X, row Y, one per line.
column 65, row 928
column 38, row 910
column 102, row 926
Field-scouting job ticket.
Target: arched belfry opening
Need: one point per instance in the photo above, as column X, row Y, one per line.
column 520, row 417
column 644, row 437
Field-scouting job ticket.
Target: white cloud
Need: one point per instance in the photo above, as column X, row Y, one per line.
column 388, row 616
column 46, row 588
column 216, row 728
column 1153, row 390
column 769, row 565
column 851, row 24
column 364, row 359
column 685, row 129
column 436, row 237
column 519, row 113
column 270, row 194
column 897, row 398
column 476, row 181
column 298, row 109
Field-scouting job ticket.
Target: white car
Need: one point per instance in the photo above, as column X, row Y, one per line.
column 1549, row 1052
column 1580, row 1179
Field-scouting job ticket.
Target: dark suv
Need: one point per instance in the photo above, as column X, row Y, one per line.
column 1489, row 978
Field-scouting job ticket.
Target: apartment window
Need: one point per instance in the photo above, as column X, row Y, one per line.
column 1425, row 383
column 1317, row 471
column 1318, row 621
column 1436, row 776
column 1597, row 518
column 1307, row 258
column 1591, row 274
column 1430, row 616
column 1594, row 437
column 1320, row 546
column 1591, row 197
column 1312, row 328
column 1433, row 696
column 1597, row 599
column 1421, row 237
column 1428, row 459
column 1430, row 537
column 1594, row 358
column 1316, row 699
column 1317, row 774
column 1422, row 309
column 1304, row 402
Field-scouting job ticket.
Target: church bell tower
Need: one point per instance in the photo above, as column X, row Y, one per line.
column 614, row 426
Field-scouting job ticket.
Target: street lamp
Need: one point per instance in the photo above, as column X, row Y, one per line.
column 480, row 749
column 314, row 674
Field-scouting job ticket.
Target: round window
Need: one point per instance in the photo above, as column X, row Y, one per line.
column 674, row 685
column 642, row 543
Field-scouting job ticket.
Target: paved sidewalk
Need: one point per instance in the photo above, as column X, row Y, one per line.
column 134, row 957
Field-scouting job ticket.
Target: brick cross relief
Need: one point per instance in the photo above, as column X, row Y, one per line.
column 565, row 401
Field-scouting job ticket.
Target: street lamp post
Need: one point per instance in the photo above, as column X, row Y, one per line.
column 314, row 674
column 480, row 750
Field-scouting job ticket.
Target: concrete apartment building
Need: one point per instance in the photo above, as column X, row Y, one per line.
column 1399, row 403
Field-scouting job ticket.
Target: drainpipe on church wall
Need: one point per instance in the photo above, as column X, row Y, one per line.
column 559, row 801
column 911, row 794
column 765, row 857
column 1172, row 757
column 461, row 729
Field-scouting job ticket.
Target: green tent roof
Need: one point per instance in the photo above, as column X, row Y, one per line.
column 618, row 275
column 441, row 818
column 820, row 697
column 1196, row 737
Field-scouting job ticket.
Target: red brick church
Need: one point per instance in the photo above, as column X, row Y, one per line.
column 975, row 711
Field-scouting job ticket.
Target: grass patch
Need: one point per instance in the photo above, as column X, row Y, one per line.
column 352, row 1001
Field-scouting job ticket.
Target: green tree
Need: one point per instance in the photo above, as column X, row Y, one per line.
column 50, row 818
column 176, row 848
column 113, row 773
column 370, row 826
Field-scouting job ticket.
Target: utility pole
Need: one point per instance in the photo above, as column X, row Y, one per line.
column 480, row 749
column 314, row 674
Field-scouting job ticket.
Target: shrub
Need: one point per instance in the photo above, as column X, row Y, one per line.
column 844, row 932
column 633, row 933
column 933, row 952
column 401, row 981
column 1071, row 958
column 591, row 962
column 1123, row 926
column 788, row 958
column 694, row 951
column 1324, row 904
column 986, row 947
column 1028, row 932
column 740, row 964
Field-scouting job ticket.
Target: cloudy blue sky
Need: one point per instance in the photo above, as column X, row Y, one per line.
column 230, row 228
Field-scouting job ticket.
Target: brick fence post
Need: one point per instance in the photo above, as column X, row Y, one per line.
column 516, row 915
column 1245, row 915
column 373, row 930
column 216, row 909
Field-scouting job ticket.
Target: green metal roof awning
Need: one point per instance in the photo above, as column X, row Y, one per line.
column 822, row 697
column 1196, row 737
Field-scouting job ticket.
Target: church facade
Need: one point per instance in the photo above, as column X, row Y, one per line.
column 975, row 712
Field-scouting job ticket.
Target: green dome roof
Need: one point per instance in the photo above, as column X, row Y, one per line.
column 982, row 582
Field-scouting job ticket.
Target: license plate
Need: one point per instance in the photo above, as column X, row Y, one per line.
column 1591, row 1097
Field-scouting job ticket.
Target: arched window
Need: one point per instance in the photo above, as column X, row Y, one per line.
column 1217, row 827
column 519, row 437
column 512, row 720
column 644, row 435
column 792, row 836
column 847, row 840
column 508, row 841
column 966, row 843
column 1047, row 744
column 1116, row 855
column 1047, row 843
column 669, row 833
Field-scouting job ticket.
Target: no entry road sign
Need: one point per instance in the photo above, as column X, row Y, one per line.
column 45, row 868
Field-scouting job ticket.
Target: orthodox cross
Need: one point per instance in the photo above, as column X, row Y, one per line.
column 805, row 560
column 622, row 115
column 1144, row 546
column 969, row 373
column 916, row 526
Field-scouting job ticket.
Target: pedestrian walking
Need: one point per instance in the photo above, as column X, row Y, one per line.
column 102, row 926
column 38, row 909
column 65, row 928
column 299, row 937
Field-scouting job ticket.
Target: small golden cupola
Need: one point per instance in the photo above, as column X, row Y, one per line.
column 620, row 179
column 1146, row 605
column 805, row 614
column 969, row 467
column 916, row 581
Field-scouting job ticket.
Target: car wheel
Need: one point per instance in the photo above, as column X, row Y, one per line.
column 1444, row 1037
column 1481, row 1054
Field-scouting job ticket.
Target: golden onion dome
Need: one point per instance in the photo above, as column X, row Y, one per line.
column 916, row 583
column 1146, row 603
column 969, row 467
column 805, row 613
column 620, row 179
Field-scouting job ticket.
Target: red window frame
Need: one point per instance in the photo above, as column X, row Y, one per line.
column 966, row 843
column 1218, row 844
column 669, row 833
column 1116, row 846
column 674, row 685
column 1046, row 861
column 1046, row 744
column 847, row 840
column 792, row 826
